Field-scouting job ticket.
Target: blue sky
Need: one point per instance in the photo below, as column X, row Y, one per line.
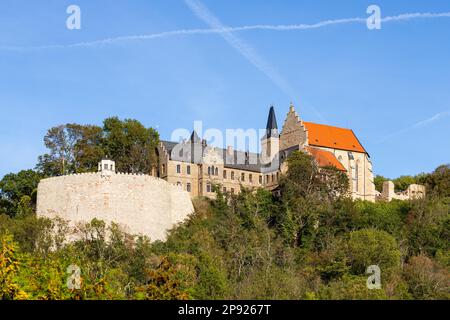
column 391, row 86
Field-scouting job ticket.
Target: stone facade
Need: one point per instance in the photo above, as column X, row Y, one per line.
column 197, row 175
column 356, row 163
column 140, row 204
column 414, row 191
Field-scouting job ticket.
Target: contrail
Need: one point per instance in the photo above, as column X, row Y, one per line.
column 417, row 125
column 248, row 52
column 237, row 43
column 269, row 27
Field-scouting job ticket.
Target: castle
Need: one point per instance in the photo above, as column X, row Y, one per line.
column 152, row 204
column 138, row 203
column 195, row 166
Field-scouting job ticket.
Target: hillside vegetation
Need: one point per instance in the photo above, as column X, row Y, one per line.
column 309, row 241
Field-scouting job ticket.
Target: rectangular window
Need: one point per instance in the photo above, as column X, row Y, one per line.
column 232, row 190
column 188, row 170
column 188, row 187
column 178, row 168
column 232, row 175
column 208, row 188
column 260, row 179
column 224, row 174
column 242, row 176
column 250, row 178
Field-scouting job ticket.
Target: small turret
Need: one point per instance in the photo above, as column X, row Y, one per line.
column 107, row 166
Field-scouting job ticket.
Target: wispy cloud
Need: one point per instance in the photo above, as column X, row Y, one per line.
column 247, row 51
column 238, row 44
column 228, row 33
column 417, row 125
column 224, row 30
column 434, row 118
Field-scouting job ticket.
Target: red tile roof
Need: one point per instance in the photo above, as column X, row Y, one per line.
column 332, row 137
column 325, row 158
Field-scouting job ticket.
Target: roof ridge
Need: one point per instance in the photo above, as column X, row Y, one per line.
column 327, row 125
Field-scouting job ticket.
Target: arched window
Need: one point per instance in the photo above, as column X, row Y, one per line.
column 188, row 187
column 357, row 176
column 216, row 172
column 209, row 170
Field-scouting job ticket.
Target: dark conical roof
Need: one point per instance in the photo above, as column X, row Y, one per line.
column 194, row 137
column 272, row 127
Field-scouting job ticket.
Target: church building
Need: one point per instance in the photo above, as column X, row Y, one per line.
column 196, row 167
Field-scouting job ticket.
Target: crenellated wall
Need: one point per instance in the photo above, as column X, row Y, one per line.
column 140, row 204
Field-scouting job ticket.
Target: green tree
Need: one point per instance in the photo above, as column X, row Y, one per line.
column 9, row 268
column 130, row 144
column 162, row 284
column 403, row 182
column 306, row 191
column 438, row 182
column 427, row 279
column 378, row 181
column 19, row 189
column 372, row 247
column 72, row 148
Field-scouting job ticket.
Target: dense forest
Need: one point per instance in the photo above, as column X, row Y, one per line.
column 308, row 241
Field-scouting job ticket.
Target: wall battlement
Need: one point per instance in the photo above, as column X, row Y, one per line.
column 140, row 204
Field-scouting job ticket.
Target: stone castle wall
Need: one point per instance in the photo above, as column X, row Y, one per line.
column 414, row 191
column 140, row 204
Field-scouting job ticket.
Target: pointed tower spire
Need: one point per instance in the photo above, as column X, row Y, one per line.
column 272, row 127
column 194, row 137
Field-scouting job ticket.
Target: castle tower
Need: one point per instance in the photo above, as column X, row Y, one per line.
column 196, row 148
column 270, row 141
column 107, row 166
